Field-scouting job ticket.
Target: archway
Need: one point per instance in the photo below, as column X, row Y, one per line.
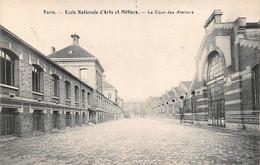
column 215, row 86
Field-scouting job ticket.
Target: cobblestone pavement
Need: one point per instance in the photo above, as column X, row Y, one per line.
column 132, row 141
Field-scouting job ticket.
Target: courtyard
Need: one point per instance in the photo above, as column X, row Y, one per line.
column 132, row 141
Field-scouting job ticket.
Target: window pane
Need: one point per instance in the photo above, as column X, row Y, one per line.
column 83, row 96
column 36, row 78
column 7, row 68
column 216, row 67
column 2, row 62
column 8, row 73
column 56, row 86
column 76, row 93
column 67, row 89
column 33, row 81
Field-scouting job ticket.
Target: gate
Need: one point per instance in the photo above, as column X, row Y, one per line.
column 55, row 117
column 8, row 124
column 215, row 90
column 37, row 120
column 68, row 118
column 77, row 118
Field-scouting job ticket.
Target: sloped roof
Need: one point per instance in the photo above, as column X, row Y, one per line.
column 72, row 51
column 5, row 31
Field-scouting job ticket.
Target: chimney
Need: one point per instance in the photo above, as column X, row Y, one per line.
column 52, row 49
column 215, row 16
column 241, row 21
column 75, row 38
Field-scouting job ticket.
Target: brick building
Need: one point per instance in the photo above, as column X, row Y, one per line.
column 225, row 89
column 170, row 102
column 110, row 91
column 227, row 80
column 38, row 95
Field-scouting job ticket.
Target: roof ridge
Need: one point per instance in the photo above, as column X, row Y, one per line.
column 71, row 51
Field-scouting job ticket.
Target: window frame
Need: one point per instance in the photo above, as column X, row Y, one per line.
column 5, row 58
column 88, row 98
column 83, row 96
column 37, row 76
column 67, row 90
column 76, row 92
column 216, row 66
column 56, row 85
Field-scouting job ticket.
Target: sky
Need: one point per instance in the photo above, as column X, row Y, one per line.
column 143, row 55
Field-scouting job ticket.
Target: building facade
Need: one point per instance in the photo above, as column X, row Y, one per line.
column 226, row 83
column 225, row 89
column 38, row 95
column 87, row 68
column 172, row 101
column 110, row 91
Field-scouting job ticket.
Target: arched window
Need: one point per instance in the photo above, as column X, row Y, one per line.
column 55, row 85
column 7, row 67
column 256, row 86
column 67, row 90
column 37, row 78
column 215, row 89
column 76, row 93
column 88, row 98
column 215, row 67
column 83, row 98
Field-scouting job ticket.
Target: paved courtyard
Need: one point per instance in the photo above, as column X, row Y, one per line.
column 132, row 141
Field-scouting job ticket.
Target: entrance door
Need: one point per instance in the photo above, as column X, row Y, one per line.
column 215, row 90
column 84, row 118
column 55, row 117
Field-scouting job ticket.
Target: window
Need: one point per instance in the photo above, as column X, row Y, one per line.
column 36, row 78
column 83, row 98
column 55, row 83
column 7, row 68
column 215, row 67
column 88, row 98
column 67, row 90
column 256, row 86
column 76, row 93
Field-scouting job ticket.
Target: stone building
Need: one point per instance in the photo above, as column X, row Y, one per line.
column 110, row 91
column 87, row 68
column 169, row 104
column 120, row 102
column 38, row 95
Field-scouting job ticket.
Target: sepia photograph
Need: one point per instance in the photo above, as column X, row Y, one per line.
column 129, row 82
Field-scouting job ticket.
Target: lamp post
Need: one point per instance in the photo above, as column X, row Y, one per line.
column 173, row 111
column 192, row 106
column 181, row 109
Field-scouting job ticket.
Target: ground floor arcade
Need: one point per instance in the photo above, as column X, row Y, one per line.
column 21, row 120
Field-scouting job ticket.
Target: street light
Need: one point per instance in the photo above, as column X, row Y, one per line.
column 193, row 110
